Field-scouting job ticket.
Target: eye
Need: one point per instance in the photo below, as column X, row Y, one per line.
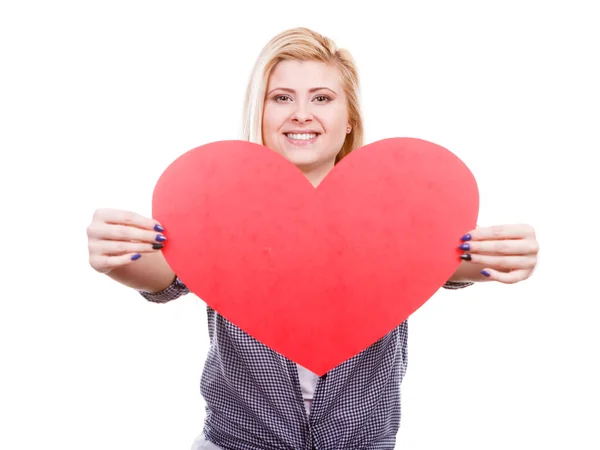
column 282, row 98
column 322, row 98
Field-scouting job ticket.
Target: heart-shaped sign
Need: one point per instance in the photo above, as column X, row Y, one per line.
column 316, row 274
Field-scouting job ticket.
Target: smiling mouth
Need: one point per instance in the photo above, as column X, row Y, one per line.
column 301, row 138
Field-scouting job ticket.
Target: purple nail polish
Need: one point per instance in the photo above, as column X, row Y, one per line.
column 158, row 228
column 485, row 273
column 465, row 247
column 136, row 256
column 160, row 238
column 466, row 237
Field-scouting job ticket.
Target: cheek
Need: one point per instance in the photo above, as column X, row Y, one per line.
column 266, row 121
column 338, row 121
column 270, row 122
column 267, row 127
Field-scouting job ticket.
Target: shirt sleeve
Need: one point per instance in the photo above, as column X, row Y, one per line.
column 175, row 290
column 457, row 284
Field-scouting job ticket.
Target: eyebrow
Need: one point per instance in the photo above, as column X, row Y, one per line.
column 291, row 91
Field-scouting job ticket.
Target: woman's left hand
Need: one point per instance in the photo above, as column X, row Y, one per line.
column 508, row 253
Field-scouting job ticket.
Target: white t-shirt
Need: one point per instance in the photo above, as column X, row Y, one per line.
column 308, row 383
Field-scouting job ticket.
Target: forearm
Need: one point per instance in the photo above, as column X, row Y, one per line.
column 150, row 273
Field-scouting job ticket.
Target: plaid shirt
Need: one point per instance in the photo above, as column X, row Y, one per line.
column 254, row 400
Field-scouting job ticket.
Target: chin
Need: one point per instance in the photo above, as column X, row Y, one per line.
column 306, row 158
column 307, row 164
column 302, row 160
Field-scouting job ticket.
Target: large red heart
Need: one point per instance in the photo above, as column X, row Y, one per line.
column 316, row 274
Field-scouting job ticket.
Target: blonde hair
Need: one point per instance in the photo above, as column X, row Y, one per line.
column 302, row 44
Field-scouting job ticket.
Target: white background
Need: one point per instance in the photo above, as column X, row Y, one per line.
column 97, row 98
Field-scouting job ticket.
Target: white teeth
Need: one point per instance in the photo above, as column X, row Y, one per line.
column 301, row 137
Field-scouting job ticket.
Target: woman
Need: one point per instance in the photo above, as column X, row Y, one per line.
column 302, row 102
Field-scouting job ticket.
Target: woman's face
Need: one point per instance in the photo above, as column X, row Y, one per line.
column 305, row 115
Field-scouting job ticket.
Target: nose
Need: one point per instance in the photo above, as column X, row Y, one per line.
column 302, row 113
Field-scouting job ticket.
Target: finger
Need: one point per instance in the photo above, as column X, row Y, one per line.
column 514, row 276
column 114, row 248
column 502, row 262
column 104, row 231
column 498, row 232
column 103, row 263
column 122, row 217
column 502, row 247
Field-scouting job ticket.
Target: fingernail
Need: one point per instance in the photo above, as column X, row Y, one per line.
column 485, row 272
column 158, row 228
column 157, row 246
column 466, row 237
column 466, row 257
column 160, row 238
column 465, row 247
column 136, row 256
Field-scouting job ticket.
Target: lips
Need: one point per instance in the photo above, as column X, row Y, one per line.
column 304, row 136
column 302, row 142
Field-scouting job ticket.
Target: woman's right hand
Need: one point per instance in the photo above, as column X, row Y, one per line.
column 117, row 238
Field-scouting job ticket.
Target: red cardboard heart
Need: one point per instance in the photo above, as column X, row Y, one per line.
column 320, row 274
